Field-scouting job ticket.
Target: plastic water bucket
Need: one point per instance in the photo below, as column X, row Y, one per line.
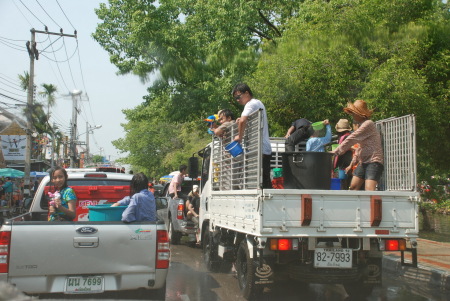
column 277, row 172
column 307, row 170
column 317, row 126
column 342, row 174
column 335, row 184
column 234, row 148
column 334, row 146
column 100, row 213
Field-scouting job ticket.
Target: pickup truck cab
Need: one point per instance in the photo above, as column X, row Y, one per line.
column 175, row 216
column 82, row 256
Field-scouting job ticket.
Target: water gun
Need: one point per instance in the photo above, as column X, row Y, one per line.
column 53, row 197
column 210, row 120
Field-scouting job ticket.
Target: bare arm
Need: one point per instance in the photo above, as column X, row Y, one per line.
column 241, row 128
column 289, row 131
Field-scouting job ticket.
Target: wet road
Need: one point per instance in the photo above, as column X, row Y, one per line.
column 188, row 279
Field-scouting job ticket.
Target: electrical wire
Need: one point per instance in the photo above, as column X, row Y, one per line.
column 65, row 14
column 68, row 63
column 4, row 95
column 13, row 93
column 81, row 69
column 56, row 61
column 33, row 14
column 48, row 14
column 6, row 44
column 43, row 50
column 14, row 2
column 57, row 65
column 2, row 81
column 12, row 39
column 4, row 77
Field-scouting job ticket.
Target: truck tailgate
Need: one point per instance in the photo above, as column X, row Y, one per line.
column 114, row 247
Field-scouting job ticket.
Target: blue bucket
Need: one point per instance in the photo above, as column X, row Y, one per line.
column 335, row 184
column 342, row 174
column 234, row 148
column 100, row 213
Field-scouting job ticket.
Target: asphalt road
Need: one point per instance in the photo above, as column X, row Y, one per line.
column 188, row 280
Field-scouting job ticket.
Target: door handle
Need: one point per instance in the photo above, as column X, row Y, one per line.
column 85, row 242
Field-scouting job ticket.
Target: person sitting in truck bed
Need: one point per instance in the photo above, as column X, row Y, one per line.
column 226, row 119
column 316, row 143
column 141, row 204
column 63, row 205
column 299, row 130
column 193, row 204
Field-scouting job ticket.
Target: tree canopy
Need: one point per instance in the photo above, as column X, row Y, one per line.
column 301, row 58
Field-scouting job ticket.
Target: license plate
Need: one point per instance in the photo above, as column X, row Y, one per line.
column 333, row 258
column 84, row 285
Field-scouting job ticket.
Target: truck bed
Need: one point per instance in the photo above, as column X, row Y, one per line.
column 332, row 213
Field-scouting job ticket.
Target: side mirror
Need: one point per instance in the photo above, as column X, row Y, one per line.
column 161, row 203
column 193, row 167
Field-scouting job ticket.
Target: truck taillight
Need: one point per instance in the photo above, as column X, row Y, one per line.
column 393, row 245
column 162, row 250
column 5, row 240
column 180, row 211
column 283, row 244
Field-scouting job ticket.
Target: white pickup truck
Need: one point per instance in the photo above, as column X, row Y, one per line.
column 82, row 256
column 304, row 234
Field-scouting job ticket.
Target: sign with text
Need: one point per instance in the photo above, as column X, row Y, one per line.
column 14, row 146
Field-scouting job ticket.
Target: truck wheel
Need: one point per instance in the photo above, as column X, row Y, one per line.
column 358, row 291
column 173, row 235
column 160, row 293
column 210, row 252
column 246, row 273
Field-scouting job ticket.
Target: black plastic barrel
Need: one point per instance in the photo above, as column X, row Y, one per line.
column 307, row 170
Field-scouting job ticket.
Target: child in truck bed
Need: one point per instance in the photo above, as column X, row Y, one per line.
column 62, row 206
column 141, row 202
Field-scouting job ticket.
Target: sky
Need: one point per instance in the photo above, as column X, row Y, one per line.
column 86, row 68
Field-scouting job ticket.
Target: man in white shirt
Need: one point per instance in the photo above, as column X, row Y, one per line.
column 244, row 96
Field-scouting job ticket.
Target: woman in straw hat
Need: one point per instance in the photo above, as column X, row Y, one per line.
column 371, row 156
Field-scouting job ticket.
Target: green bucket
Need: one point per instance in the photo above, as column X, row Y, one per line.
column 334, row 146
column 317, row 126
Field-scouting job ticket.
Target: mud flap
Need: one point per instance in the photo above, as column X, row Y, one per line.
column 263, row 272
column 372, row 272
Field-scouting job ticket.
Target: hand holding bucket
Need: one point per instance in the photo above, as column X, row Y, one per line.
column 234, row 148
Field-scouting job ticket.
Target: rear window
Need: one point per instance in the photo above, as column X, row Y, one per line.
column 96, row 182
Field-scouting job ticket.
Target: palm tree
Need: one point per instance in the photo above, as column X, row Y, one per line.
column 24, row 80
column 49, row 94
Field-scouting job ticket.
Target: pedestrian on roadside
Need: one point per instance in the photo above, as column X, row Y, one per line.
column 8, row 189
column 244, row 96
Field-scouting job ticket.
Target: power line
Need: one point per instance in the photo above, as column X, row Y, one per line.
column 48, row 14
column 70, row 68
column 81, row 69
column 65, row 14
column 12, row 39
column 33, row 14
column 4, row 95
column 13, row 93
column 56, row 61
column 3, row 83
column 50, row 45
column 4, row 77
column 6, row 44
column 14, row 2
column 57, row 65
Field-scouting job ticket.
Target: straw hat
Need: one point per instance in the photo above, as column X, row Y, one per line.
column 343, row 125
column 359, row 107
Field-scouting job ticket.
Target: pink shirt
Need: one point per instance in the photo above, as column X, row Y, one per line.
column 370, row 141
column 176, row 181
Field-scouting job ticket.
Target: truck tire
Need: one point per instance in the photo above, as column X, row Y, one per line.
column 246, row 273
column 210, row 252
column 173, row 235
column 160, row 293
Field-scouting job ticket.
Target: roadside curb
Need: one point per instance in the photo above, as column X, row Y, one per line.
column 429, row 280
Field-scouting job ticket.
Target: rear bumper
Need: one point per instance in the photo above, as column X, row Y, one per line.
column 113, row 282
column 186, row 227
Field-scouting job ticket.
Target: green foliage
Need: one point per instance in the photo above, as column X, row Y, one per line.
column 301, row 58
column 97, row 159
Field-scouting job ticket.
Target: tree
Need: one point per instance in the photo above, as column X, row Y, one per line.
column 24, row 80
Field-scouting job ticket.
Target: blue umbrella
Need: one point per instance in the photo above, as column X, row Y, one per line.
column 11, row 172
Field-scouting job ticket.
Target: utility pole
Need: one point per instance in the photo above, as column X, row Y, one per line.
column 34, row 54
column 86, row 157
column 73, row 135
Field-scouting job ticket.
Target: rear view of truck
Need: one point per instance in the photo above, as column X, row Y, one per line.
column 307, row 234
column 84, row 257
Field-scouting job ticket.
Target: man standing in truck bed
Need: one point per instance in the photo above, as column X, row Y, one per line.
column 243, row 95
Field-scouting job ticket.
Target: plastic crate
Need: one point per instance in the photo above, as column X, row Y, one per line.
column 100, row 213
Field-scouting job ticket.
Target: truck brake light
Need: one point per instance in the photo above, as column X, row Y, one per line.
column 283, row 244
column 180, row 211
column 5, row 241
column 162, row 249
column 394, row 245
